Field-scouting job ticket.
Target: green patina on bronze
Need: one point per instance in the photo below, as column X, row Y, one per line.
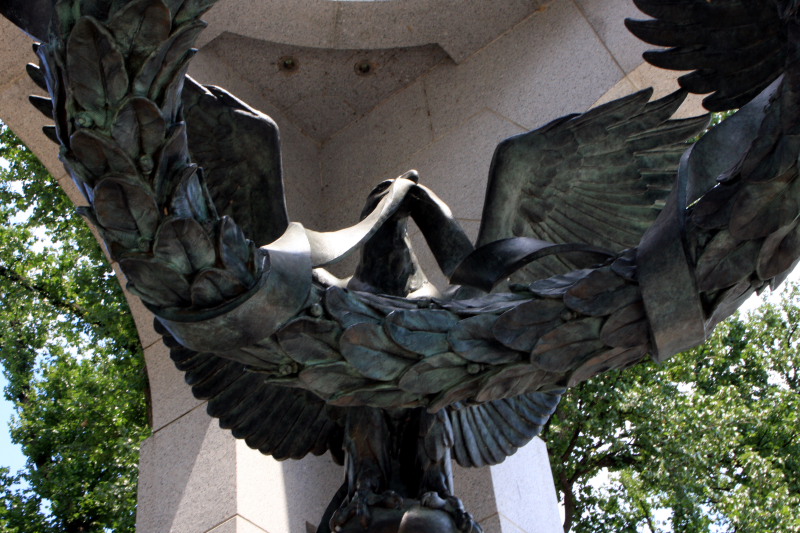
column 185, row 185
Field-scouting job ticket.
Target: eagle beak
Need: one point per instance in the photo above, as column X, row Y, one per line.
column 411, row 175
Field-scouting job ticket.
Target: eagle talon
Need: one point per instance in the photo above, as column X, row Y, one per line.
column 432, row 500
column 455, row 508
column 358, row 507
column 390, row 500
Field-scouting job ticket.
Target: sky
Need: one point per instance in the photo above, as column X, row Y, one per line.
column 10, row 454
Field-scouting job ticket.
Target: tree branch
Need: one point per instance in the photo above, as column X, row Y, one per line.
column 61, row 304
column 40, row 290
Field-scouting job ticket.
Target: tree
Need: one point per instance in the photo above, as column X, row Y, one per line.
column 709, row 441
column 70, row 352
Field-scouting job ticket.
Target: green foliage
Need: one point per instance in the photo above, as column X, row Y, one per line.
column 710, row 441
column 70, row 352
column 715, row 119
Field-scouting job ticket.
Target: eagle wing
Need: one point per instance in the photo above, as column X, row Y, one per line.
column 598, row 178
column 238, row 149
column 487, row 433
column 284, row 422
column 734, row 49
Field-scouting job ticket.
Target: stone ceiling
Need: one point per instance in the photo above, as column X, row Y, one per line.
column 326, row 63
column 323, row 90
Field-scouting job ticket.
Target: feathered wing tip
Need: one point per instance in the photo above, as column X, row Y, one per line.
column 285, row 422
column 238, row 149
column 734, row 48
column 486, row 434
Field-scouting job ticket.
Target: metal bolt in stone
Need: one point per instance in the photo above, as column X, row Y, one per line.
column 288, row 64
column 365, row 67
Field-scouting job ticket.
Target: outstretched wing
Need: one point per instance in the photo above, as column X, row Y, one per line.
column 238, row 149
column 736, row 48
column 599, row 178
column 284, row 422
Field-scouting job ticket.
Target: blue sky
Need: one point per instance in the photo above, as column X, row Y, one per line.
column 10, row 454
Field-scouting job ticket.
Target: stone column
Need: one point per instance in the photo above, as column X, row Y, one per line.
column 458, row 77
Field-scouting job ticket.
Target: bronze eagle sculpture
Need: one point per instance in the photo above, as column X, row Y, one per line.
column 604, row 238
